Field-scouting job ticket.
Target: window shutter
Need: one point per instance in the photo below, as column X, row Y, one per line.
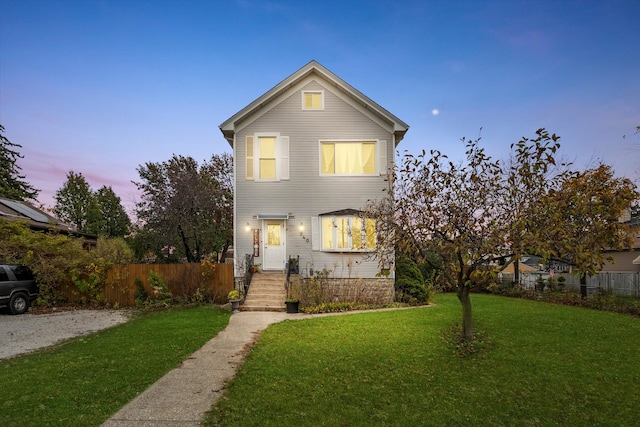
column 315, row 234
column 382, row 157
column 284, row 157
column 249, row 156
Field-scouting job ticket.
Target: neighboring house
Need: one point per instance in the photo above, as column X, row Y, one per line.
column 626, row 260
column 522, row 268
column 535, row 262
column 529, row 263
column 307, row 156
column 39, row 220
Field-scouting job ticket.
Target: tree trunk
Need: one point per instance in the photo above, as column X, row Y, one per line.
column 223, row 253
column 583, row 286
column 197, row 257
column 467, row 319
column 185, row 244
column 516, row 271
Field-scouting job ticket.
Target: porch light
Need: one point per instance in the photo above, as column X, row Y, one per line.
column 248, row 227
column 301, row 227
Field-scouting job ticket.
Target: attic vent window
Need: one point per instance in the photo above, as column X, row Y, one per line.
column 312, row 100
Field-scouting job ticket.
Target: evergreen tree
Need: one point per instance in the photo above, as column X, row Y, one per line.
column 12, row 184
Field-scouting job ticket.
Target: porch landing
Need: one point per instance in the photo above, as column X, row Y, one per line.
column 266, row 293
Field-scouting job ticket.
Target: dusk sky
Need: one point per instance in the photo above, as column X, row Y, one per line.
column 101, row 87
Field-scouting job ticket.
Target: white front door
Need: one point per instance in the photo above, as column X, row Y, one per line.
column 274, row 245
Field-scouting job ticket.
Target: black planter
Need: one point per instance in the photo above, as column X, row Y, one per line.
column 235, row 305
column 292, row 306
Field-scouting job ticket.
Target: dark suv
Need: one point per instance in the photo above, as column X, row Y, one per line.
column 18, row 287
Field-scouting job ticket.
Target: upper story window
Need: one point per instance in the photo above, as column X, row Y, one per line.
column 312, row 100
column 348, row 158
column 348, row 233
column 267, row 157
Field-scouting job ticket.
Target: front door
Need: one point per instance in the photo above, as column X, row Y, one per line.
column 274, row 245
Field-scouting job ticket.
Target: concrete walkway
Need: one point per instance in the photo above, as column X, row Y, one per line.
column 184, row 395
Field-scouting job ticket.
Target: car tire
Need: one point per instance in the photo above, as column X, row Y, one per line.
column 19, row 303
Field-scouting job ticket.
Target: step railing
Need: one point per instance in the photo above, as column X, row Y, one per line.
column 243, row 282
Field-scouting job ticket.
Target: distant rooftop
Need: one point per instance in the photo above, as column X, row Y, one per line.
column 15, row 210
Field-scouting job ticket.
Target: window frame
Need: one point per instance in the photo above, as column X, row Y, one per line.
column 349, row 234
column 378, row 157
column 304, row 104
column 281, row 153
column 258, row 156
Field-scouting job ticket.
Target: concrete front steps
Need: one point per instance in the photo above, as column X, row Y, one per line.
column 266, row 293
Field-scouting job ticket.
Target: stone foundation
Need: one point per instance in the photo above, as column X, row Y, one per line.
column 313, row 291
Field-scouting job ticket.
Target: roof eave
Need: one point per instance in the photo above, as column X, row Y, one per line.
column 399, row 135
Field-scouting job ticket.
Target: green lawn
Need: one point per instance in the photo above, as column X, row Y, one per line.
column 88, row 379
column 544, row 364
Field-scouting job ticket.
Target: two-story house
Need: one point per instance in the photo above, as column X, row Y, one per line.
column 308, row 155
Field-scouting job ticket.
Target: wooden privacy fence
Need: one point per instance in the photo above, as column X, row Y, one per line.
column 183, row 280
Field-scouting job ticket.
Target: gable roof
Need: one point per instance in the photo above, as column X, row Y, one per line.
column 228, row 127
column 510, row 268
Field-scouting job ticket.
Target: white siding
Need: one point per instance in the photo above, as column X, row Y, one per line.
column 306, row 194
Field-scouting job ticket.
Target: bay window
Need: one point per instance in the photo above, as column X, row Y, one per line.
column 348, row 233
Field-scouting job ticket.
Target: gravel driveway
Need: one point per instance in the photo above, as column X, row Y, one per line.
column 27, row 332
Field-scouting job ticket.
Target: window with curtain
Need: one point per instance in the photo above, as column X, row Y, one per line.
column 348, row 158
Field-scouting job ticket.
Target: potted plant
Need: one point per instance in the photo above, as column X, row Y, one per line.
column 256, row 267
column 292, row 305
column 234, row 297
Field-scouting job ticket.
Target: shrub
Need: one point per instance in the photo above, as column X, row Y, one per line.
column 60, row 261
column 113, row 251
column 141, row 296
column 429, row 273
column 561, row 282
column 493, row 288
column 552, row 285
column 410, row 285
column 316, row 290
column 603, row 300
column 54, row 258
column 160, row 290
column 337, row 307
column 89, row 279
column 329, row 307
